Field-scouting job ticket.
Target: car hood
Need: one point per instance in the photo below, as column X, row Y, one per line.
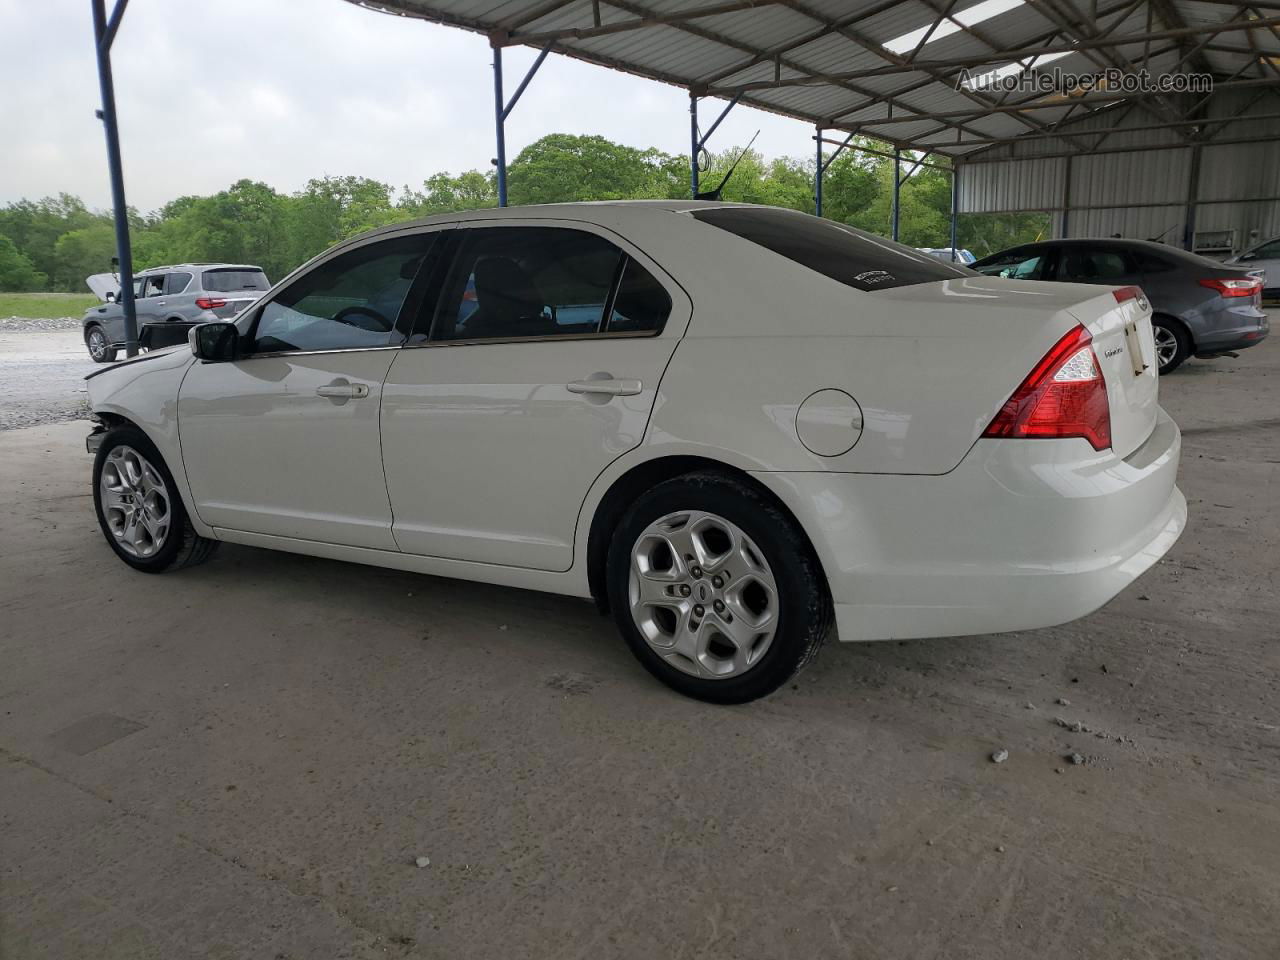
column 103, row 283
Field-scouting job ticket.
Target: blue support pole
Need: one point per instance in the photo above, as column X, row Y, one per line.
column 103, row 35
column 503, row 110
column 499, row 119
column 817, row 177
column 694, row 145
column 897, row 187
column 955, row 206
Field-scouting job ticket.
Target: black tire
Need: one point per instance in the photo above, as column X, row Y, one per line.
column 1168, row 327
column 182, row 546
column 804, row 604
column 93, row 335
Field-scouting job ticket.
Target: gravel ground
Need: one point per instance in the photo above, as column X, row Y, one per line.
column 43, row 363
column 280, row 756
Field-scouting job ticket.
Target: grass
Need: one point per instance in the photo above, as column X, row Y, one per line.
column 45, row 304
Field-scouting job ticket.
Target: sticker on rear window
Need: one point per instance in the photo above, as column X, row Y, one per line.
column 875, row 276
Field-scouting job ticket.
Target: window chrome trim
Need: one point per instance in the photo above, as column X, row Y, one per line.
column 545, row 338
column 475, row 342
column 315, row 353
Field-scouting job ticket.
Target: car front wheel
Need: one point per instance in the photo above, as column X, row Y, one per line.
column 716, row 589
column 138, row 507
column 100, row 348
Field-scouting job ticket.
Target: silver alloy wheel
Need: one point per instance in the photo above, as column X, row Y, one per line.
column 1166, row 345
column 702, row 595
column 97, row 343
column 135, row 502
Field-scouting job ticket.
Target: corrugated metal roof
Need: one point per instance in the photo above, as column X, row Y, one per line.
column 824, row 61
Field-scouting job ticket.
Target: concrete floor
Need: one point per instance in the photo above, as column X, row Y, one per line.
column 42, row 375
column 244, row 759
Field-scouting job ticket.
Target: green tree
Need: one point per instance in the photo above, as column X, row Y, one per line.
column 34, row 226
column 79, row 253
column 561, row 168
column 16, row 270
column 444, row 193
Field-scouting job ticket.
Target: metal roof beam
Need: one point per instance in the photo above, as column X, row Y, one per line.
column 640, row 23
column 1145, row 148
column 1000, row 57
column 1145, row 127
column 1056, row 104
column 719, row 38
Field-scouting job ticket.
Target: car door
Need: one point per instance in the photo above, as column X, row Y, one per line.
column 540, row 367
column 284, row 440
column 176, row 302
column 149, row 306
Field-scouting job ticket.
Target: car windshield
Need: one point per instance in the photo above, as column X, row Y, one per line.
column 233, row 281
column 845, row 254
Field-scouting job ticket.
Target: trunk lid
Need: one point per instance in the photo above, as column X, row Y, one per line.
column 997, row 330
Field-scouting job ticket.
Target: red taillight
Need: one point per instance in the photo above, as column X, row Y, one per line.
column 1234, row 286
column 1063, row 396
column 208, row 303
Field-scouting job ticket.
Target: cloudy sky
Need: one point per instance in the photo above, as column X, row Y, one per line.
column 285, row 90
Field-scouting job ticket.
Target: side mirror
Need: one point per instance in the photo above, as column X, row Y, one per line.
column 214, row 342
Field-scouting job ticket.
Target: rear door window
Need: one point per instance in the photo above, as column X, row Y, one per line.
column 176, row 283
column 847, row 255
column 519, row 282
column 1082, row 265
column 641, row 304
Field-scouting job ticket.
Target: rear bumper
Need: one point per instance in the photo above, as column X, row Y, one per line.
column 1236, row 337
column 1022, row 534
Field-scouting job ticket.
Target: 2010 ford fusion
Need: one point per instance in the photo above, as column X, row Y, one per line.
column 727, row 424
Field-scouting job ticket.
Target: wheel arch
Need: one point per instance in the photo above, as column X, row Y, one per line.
column 1181, row 324
column 644, row 476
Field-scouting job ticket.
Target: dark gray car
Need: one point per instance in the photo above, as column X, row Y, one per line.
column 186, row 293
column 1200, row 307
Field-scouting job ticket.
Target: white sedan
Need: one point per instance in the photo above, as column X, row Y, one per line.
column 727, row 424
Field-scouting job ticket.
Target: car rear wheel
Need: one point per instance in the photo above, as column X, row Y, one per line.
column 1172, row 343
column 138, row 507
column 715, row 589
column 100, row 348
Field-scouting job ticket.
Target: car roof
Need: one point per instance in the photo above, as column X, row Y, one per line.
column 568, row 211
column 196, row 266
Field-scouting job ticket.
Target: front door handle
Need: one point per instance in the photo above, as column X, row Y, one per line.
column 342, row 390
column 609, row 387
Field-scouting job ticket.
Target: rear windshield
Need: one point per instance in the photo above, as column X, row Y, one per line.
column 850, row 256
column 229, row 281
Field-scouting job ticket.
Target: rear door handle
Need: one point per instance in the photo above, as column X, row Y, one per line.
column 345, row 391
column 610, row 387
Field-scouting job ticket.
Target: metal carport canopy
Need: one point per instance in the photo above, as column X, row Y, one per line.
column 890, row 69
